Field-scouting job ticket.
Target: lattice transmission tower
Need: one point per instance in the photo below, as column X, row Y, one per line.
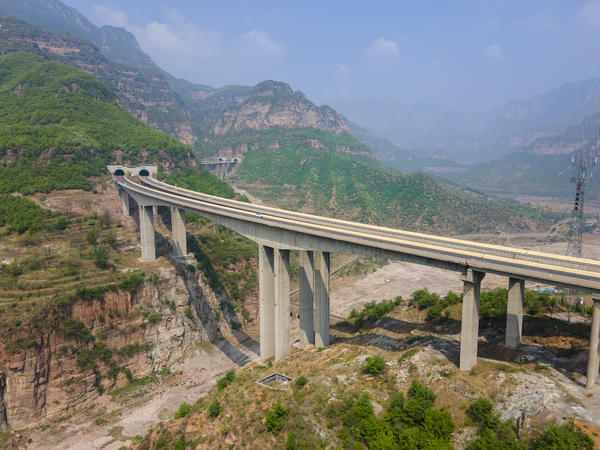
column 580, row 176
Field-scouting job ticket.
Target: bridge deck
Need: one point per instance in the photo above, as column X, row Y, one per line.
column 312, row 232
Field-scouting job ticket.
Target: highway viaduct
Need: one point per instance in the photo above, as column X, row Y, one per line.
column 278, row 231
column 220, row 166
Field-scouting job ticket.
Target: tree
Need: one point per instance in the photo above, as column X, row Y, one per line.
column 276, row 417
column 374, row 365
column 100, row 256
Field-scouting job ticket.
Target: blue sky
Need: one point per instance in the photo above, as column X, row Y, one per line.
column 470, row 55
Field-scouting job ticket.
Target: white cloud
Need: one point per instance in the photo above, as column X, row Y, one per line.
column 261, row 42
column 199, row 53
column 384, row 48
column 494, row 52
column 539, row 21
column 589, row 13
column 161, row 35
column 105, row 15
column 342, row 69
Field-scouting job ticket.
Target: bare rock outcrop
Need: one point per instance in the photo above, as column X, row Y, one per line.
column 275, row 104
column 46, row 381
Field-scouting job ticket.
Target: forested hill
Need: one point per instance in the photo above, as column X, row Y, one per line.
column 59, row 126
column 293, row 171
column 143, row 91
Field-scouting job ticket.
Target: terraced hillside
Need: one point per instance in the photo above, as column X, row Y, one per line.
column 390, row 380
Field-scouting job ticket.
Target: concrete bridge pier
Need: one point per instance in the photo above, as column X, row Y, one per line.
column 322, row 263
column 274, row 308
column 124, row 201
column 514, row 312
column 266, row 292
column 470, row 319
column 594, row 359
column 307, row 297
column 314, row 297
column 282, row 303
column 178, row 231
column 147, row 233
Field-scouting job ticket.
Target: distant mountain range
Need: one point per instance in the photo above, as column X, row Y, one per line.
column 541, row 168
column 424, row 130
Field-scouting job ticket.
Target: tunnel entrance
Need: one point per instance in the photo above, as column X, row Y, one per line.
column 119, row 173
column 144, row 173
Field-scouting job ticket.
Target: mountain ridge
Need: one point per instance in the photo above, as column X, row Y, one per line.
column 115, row 42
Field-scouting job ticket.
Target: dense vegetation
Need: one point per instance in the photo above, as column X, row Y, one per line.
column 334, row 180
column 202, row 181
column 283, row 136
column 494, row 433
column 492, row 303
column 59, row 126
column 21, row 215
column 521, row 174
column 225, row 259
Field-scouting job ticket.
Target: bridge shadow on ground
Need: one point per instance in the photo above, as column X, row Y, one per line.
column 547, row 341
column 215, row 284
column 204, row 312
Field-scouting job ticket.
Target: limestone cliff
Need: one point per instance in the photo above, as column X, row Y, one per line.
column 574, row 138
column 146, row 330
column 275, row 104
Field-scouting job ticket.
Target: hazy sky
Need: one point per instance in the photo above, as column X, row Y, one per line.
column 467, row 54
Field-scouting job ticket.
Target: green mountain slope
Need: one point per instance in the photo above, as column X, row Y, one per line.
column 143, row 91
column 59, row 125
column 298, row 173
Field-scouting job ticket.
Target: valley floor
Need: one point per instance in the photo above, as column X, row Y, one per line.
column 533, row 380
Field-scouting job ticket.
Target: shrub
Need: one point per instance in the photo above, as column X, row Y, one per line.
column 534, row 306
column 154, row 318
column 222, row 383
column 419, row 399
column 371, row 312
column 184, row 410
column 76, row 330
column 374, row 365
column 439, row 424
column 481, row 412
column 408, row 354
column 276, row 417
column 92, row 236
column 424, row 299
column 566, row 437
column 100, row 255
column 131, row 283
column 214, row 409
column 301, row 381
column 435, row 312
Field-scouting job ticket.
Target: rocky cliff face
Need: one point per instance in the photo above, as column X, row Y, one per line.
column 46, row 381
column 275, row 104
column 142, row 91
column 184, row 110
column 116, row 43
column 574, row 138
column 560, row 107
